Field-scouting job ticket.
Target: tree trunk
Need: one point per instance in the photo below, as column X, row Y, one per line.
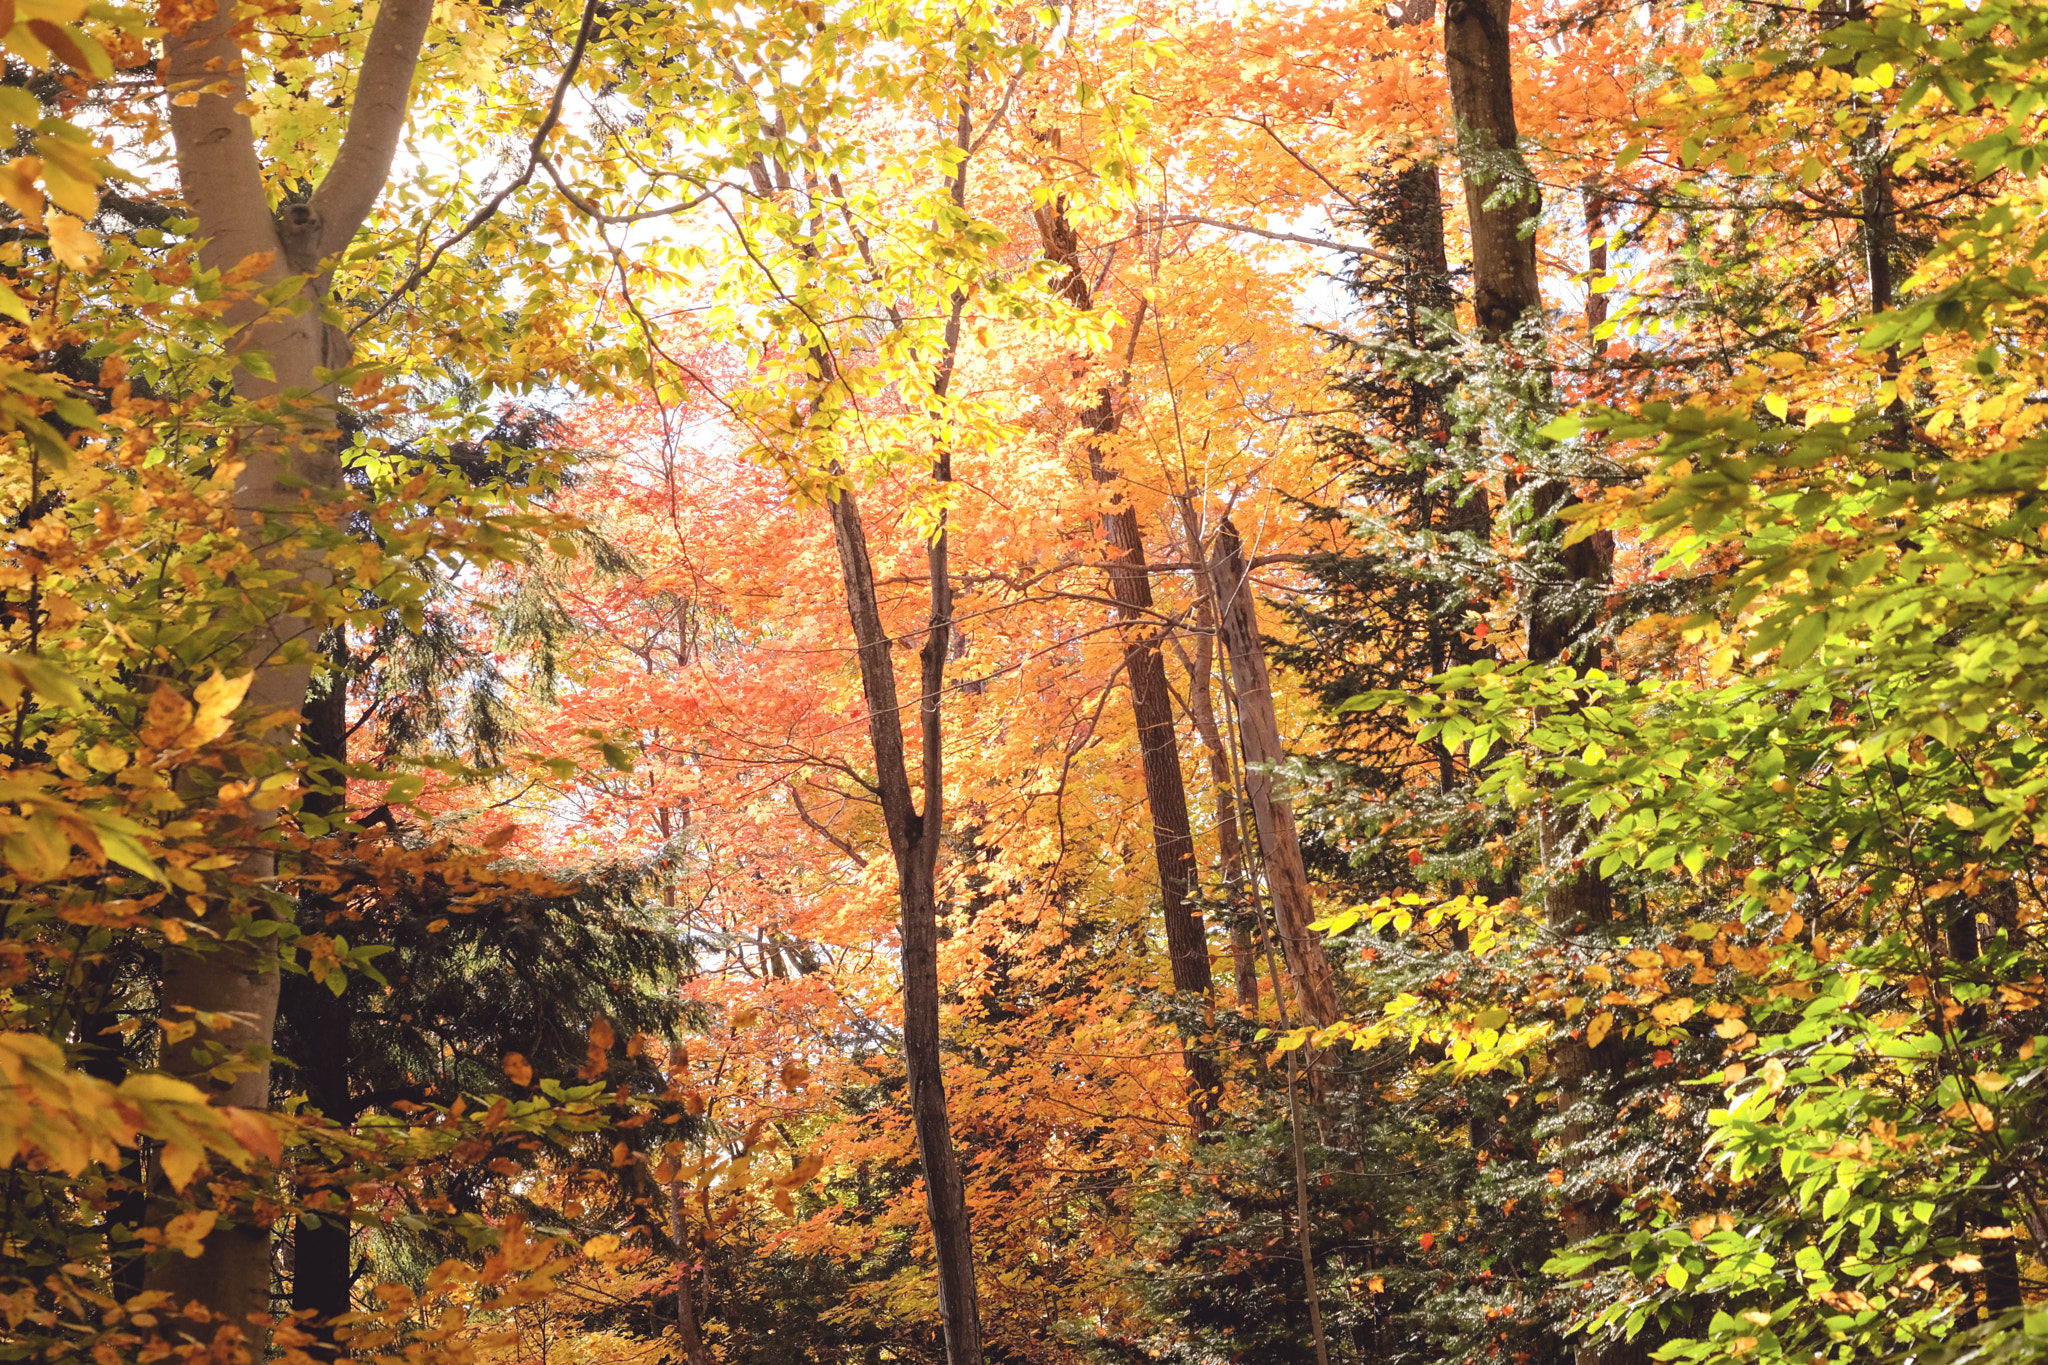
column 1480, row 63
column 914, row 841
column 915, row 834
column 687, row 1333
column 103, row 1057
column 1130, row 585
column 323, row 1264
column 221, row 177
column 1222, row 772
column 1480, row 58
column 1259, row 732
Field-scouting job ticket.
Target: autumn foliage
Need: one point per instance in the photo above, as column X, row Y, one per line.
column 954, row 682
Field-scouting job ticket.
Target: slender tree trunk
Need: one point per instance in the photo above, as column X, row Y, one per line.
column 915, row 836
column 221, row 177
column 1315, row 986
column 102, row 1058
column 1596, row 266
column 323, row 1264
column 1222, row 773
column 687, row 1333
column 1130, row 585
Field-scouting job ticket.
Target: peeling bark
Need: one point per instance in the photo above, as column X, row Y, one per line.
column 1315, row 987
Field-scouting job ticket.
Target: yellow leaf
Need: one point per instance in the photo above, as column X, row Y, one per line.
column 1602, row 1024
column 187, row 1231
column 1777, row 406
column 73, row 243
column 1959, row 814
column 1673, row 1012
column 166, row 719
column 19, row 189
column 38, row 850
column 218, row 696
column 178, row 1160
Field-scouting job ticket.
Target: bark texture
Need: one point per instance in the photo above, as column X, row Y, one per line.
column 1222, row 772
column 1315, row 988
column 221, row 178
column 1479, row 59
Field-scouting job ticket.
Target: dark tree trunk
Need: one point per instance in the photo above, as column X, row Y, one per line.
column 1479, row 55
column 915, row 835
column 914, row 841
column 102, row 1059
column 1166, row 798
column 323, row 1268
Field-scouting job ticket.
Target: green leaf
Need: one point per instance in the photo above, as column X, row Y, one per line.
column 1804, row 640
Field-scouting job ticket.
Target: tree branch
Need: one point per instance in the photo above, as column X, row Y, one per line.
column 818, row 828
column 1350, row 248
column 376, row 119
column 489, row 208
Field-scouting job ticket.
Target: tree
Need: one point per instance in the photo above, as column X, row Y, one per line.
column 223, row 181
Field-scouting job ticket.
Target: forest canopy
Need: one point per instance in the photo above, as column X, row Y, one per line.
column 941, row 681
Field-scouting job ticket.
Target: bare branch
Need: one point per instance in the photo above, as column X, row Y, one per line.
column 820, row 829
column 1349, row 248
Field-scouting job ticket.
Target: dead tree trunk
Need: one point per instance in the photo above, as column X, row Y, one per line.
column 221, row 178
column 1315, row 985
column 1222, row 771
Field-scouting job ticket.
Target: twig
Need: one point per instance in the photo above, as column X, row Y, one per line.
column 489, row 208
